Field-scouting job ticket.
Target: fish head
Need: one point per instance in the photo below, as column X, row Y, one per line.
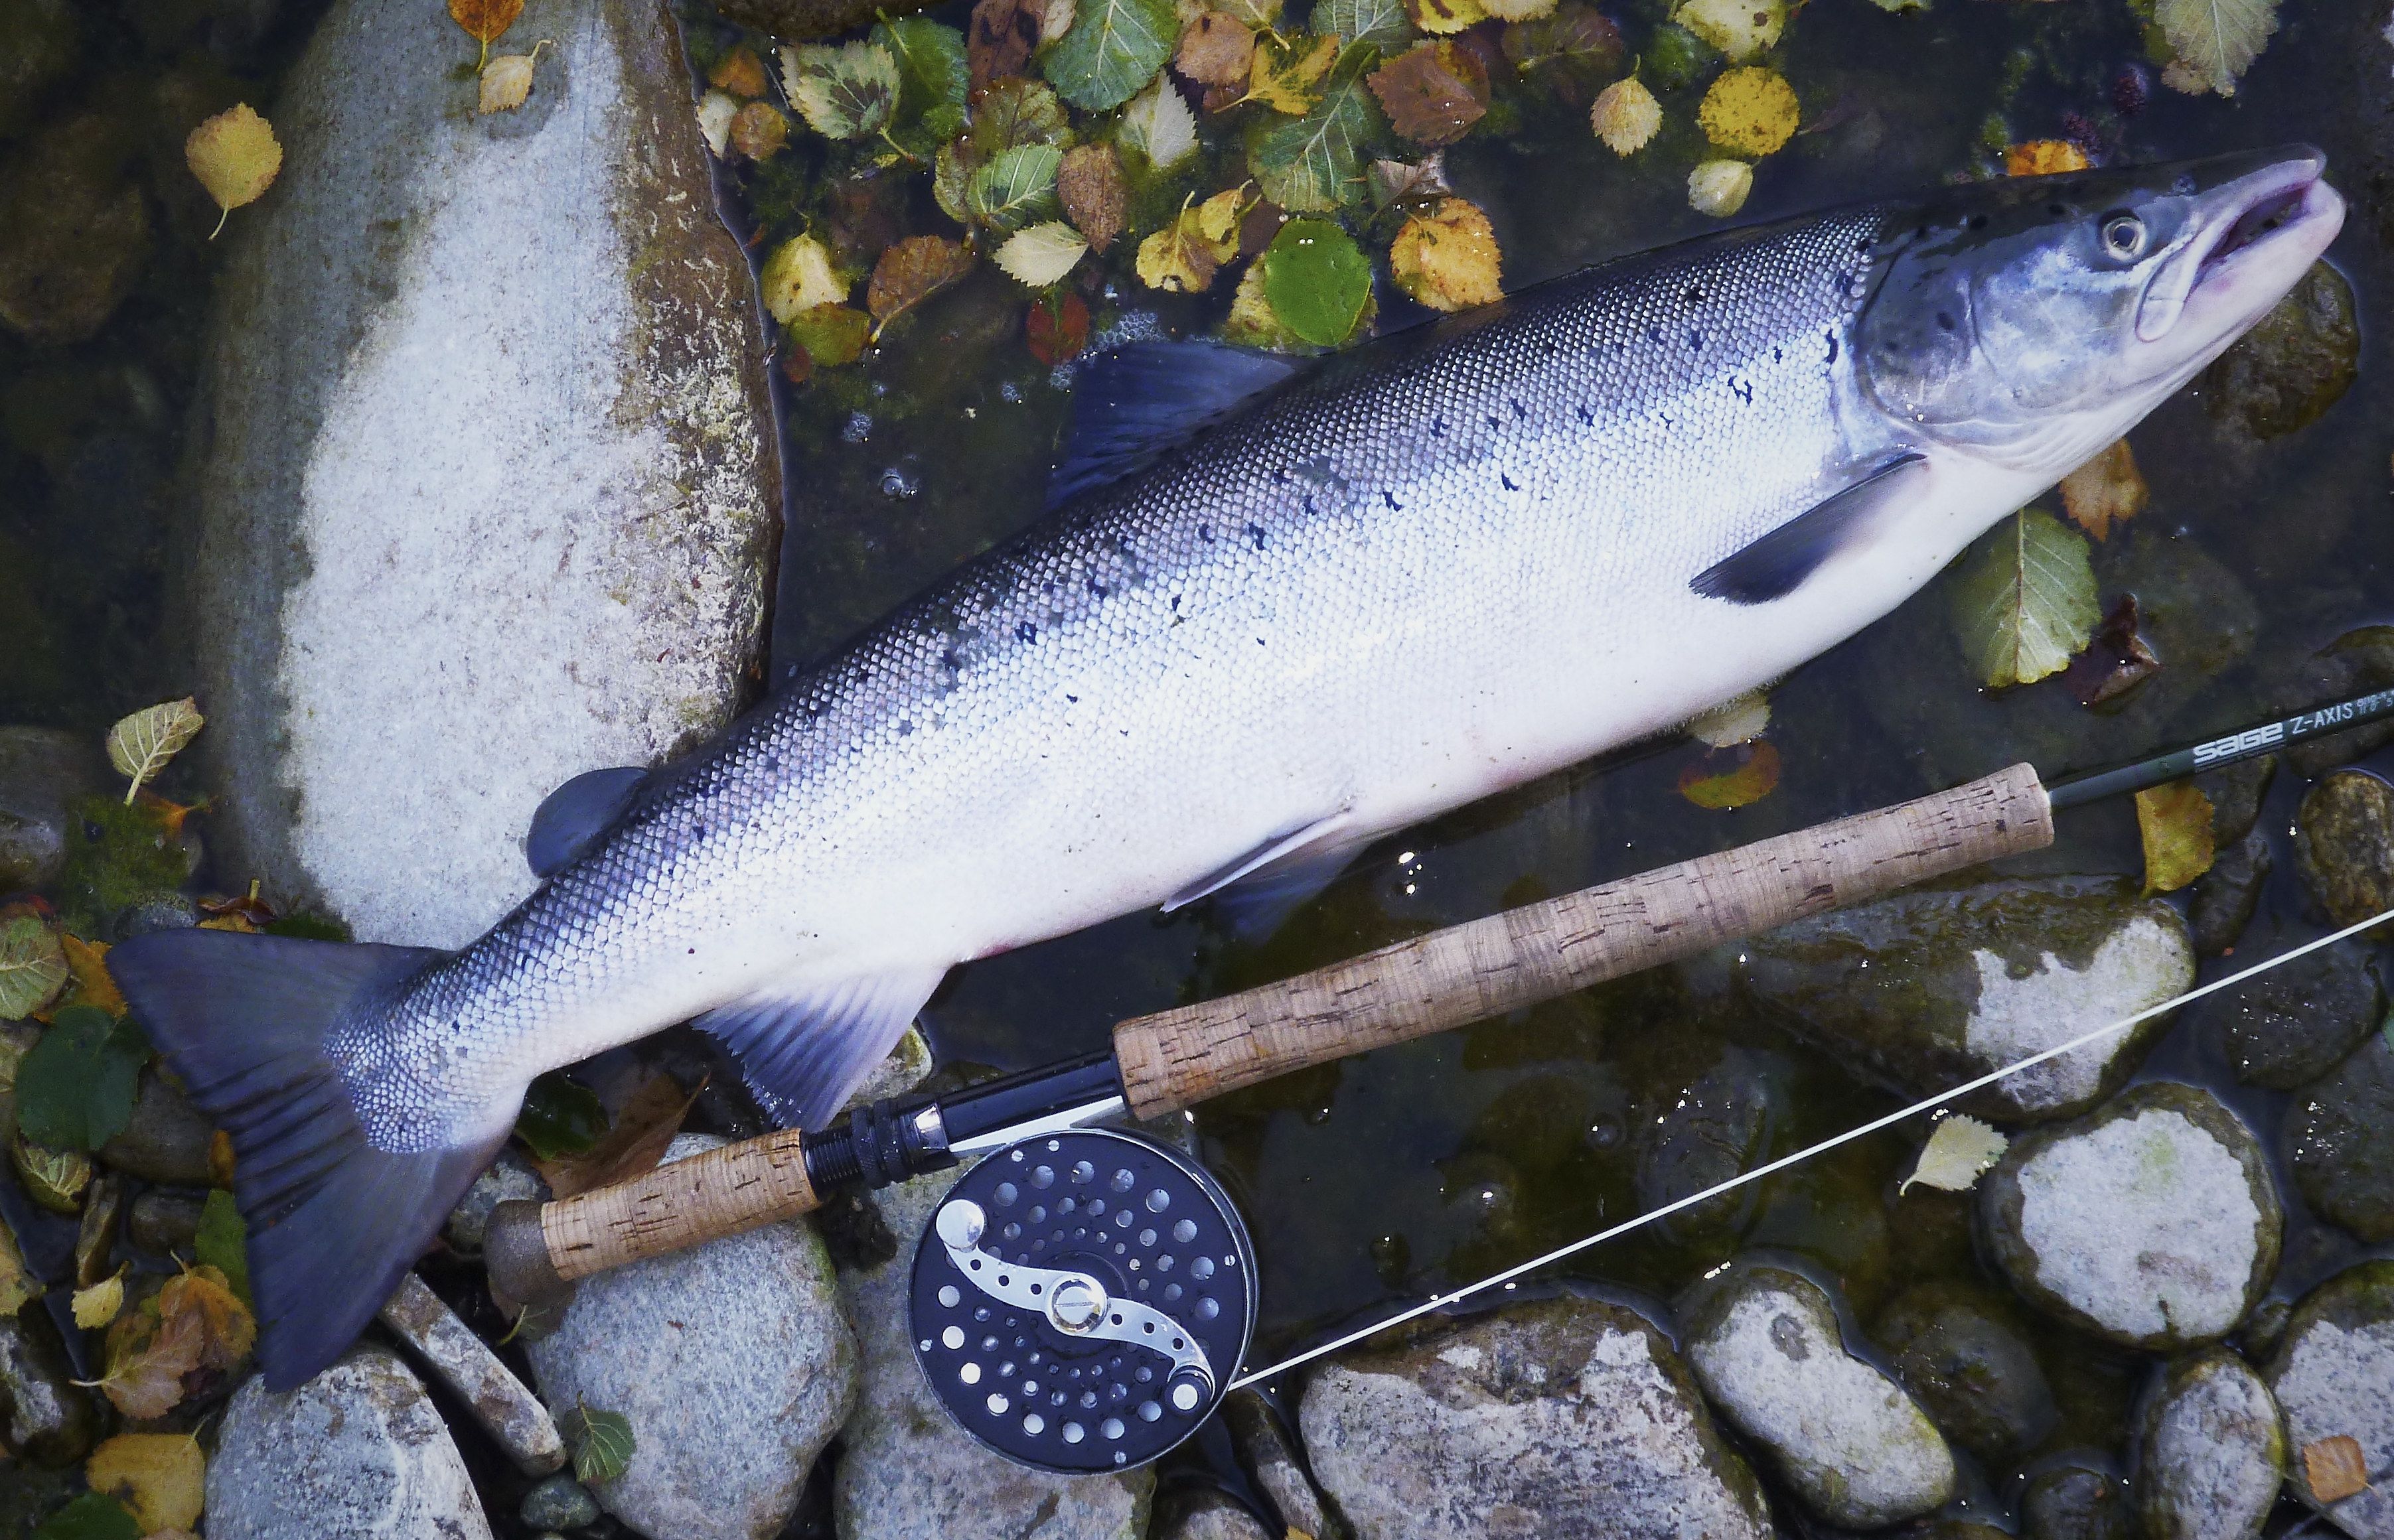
column 2030, row 321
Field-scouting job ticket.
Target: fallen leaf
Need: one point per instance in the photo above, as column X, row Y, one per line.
column 1750, row 112
column 1959, row 1151
column 76, row 1088
column 140, row 745
column 2214, row 41
column 1317, row 280
column 1287, row 77
column 798, row 276
column 1570, row 52
column 716, row 110
column 1037, row 255
column 999, row 40
column 1252, row 321
column 1725, row 778
column 1739, row 29
column 1057, row 327
column 161, row 1477
column 1394, row 181
column 1056, row 17
column 758, row 131
column 506, row 81
column 55, row 1179
column 1014, row 112
column 741, row 72
column 2335, row 1468
column 1719, row 187
column 848, row 92
column 1215, row 49
column 1178, row 258
column 220, row 1161
column 912, row 271
column 2028, row 603
column 18, row 1287
column 1016, row 188
column 1433, row 92
column 33, row 967
column 93, row 1516
column 2115, row 661
column 1519, row 11
column 222, row 1241
column 1625, row 116
column 1447, row 258
column 191, row 1331
column 485, row 20
column 560, row 1117
column 602, row 1443
column 831, row 335
column 2044, row 158
column 1314, row 164
column 2106, row 491
column 1113, row 48
column 238, row 924
column 636, row 1141
column 1740, row 719
column 1159, row 126
column 97, row 1306
column 2175, row 822
column 1445, row 18
column 1090, row 187
column 1382, row 23
column 934, row 77
column 235, row 156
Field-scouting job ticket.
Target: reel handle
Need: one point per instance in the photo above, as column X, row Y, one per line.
column 1472, row 971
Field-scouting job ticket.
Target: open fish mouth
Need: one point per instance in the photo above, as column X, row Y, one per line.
column 2252, row 237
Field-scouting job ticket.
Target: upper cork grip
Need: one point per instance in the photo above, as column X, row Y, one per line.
column 697, row 1198
column 1471, row 973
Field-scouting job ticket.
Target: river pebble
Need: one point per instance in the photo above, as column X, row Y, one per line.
column 75, row 229
column 2213, row 1451
column 506, row 1409
column 2294, row 364
column 43, row 772
column 165, row 1219
column 1766, row 1348
column 1963, row 1352
column 2294, row 1022
column 2224, row 898
column 2344, row 845
column 2340, row 1141
column 2331, row 1375
column 2073, row 1500
column 1564, row 1418
column 51, row 1420
column 510, row 1177
column 168, row 1140
column 1271, row 1459
column 1205, row 1515
column 2152, row 1222
column 558, row 1503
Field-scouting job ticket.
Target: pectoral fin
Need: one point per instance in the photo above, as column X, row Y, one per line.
column 804, row 1047
column 574, row 816
column 1263, row 887
column 1777, row 564
column 1132, row 407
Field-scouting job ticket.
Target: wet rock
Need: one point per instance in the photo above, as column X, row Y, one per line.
column 2213, row 1451
column 1207, row 1515
column 2340, row 1141
column 1567, row 1417
column 37, row 47
column 2152, row 1222
column 507, row 1411
column 50, row 1419
column 1272, row 1461
column 906, row 1471
column 558, row 1503
column 165, row 1219
column 377, row 497
column 157, row 911
column 167, row 1140
column 2295, row 1023
column 43, row 773
column 1699, row 1132
column 1926, row 989
column 2235, row 793
column 1963, row 1352
column 2294, row 364
column 104, row 1218
column 732, row 1364
column 75, row 232
column 1765, row 1346
column 906, row 1065
column 357, row 1453
column 2330, row 1376
column 2344, row 845
column 511, row 1176
column 2074, row 1502
column 2355, row 663
column 2225, row 897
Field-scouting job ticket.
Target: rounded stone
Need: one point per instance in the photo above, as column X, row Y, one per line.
column 165, row 1219
column 1207, row 1515
column 74, row 232
column 1766, row 1348
column 44, row 772
column 558, row 1503
column 168, row 1140
column 510, row 1177
column 2340, row 1141
column 162, row 910
column 2331, row 1375
column 2294, row 1022
column 1964, row 1352
column 2073, row 1501
column 2344, row 845
column 50, row 1420
column 2297, row 362
column 2152, row 1222
column 2212, row 1452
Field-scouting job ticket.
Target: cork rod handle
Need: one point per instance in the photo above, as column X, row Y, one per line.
column 1472, row 971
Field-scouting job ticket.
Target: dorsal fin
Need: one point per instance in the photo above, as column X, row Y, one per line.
column 1131, row 405
column 573, row 817
column 1777, row 564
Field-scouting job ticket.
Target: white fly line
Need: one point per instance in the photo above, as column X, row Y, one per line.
column 1511, row 1275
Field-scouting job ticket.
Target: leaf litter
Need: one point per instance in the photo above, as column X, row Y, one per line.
column 1960, row 1150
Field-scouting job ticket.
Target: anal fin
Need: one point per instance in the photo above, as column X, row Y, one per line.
column 1777, row 564
column 804, row 1048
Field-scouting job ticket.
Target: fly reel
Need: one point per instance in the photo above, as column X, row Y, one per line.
column 1083, row 1300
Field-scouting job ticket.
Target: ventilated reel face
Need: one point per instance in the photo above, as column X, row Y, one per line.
column 1081, row 1299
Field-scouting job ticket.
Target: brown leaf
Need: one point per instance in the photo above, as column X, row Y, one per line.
column 1057, row 329
column 484, row 21
column 2106, row 491
column 1095, row 197
column 911, row 271
column 88, row 961
column 758, row 130
column 999, row 38
column 2116, row 661
column 643, row 1126
column 194, row 1327
column 2335, row 1467
column 1725, row 778
column 740, row 72
column 1216, row 50
column 1433, row 92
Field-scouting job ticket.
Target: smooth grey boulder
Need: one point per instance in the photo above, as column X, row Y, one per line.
column 2332, row 1375
column 1766, row 1345
column 1926, row 989
column 1963, row 1352
column 461, row 1360
column 2152, row 1222
column 2293, row 1023
column 732, row 1362
column 357, row 1453
column 486, row 478
column 1561, row 1418
column 2211, row 1450
column 906, row 1471
column 2339, row 1139
column 44, row 772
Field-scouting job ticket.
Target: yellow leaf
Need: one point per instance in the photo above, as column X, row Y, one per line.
column 484, row 21
column 1740, row 719
column 1252, row 321
column 506, row 81
column 1519, row 11
column 716, row 110
column 1958, row 1151
column 2044, row 158
column 97, row 1306
column 1283, row 77
column 1738, row 28
column 1445, row 18
column 240, row 924
column 798, row 276
column 87, row 961
column 235, row 156
column 758, row 131
column 1718, row 188
column 1217, row 221
column 1178, row 259
column 1750, row 112
column 1727, row 778
column 1037, row 255
column 1447, row 258
column 195, row 1322
column 18, row 1287
column 1625, row 116
column 2175, row 823
column 2106, row 491
column 2335, row 1468
column 162, row 1477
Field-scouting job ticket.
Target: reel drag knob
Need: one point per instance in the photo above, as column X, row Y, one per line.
column 1081, row 1299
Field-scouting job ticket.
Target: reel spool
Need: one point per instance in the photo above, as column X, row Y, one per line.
column 1083, row 1300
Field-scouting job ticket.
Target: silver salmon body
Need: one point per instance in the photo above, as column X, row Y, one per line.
column 1282, row 608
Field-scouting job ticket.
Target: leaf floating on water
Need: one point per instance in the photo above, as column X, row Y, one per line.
column 1090, row 187
column 2175, row 821
column 32, row 967
column 1314, row 164
column 193, row 1329
column 1625, row 116
column 716, row 110
column 76, row 1088
column 740, row 72
column 1252, row 321
column 1014, row 112
column 1445, row 18
column 485, row 20
column 1057, row 329
column 1719, row 187
column 911, row 273
column 161, row 1477
column 222, row 1241
column 2026, row 603
column 758, row 131
column 1040, row 255
column 1433, row 92
column 1959, row 1151
column 235, row 156
column 848, row 92
column 999, row 40
column 2215, row 41
column 1216, row 50
column 1519, row 11
column 1740, row 719
column 97, row 1306
column 933, row 75
column 1287, row 77
column 1179, row 257
column 2105, row 491
column 1728, row 778
column 1382, row 23
column 1159, row 126
column 602, row 1445
column 2116, row 661
column 1394, row 181
column 93, row 1516
column 18, row 1287
column 560, row 1117
column 1447, row 257
column 1113, row 48
column 1016, row 188
column 2044, row 158
column 2335, row 1468
column 140, row 745
column 1750, row 112
column 1739, row 29
column 798, row 276
column 1317, row 280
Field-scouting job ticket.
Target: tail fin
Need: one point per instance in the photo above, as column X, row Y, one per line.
column 332, row 1221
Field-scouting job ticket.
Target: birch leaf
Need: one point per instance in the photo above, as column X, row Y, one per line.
column 162, row 1477
column 1159, row 126
column 716, row 110
column 798, row 276
column 1178, row 258
column 2106, row 491
column 485, row 20
column 1447, row 258
column 2335, row 1468
column 1014, row 112
column 140, row 745
column 1040, row 255
column 1114, row 47
column 1728, row 778
column 1252, row 322
column 506, row 83
column 602, row 1445
column 32, row 967
column 844, row 93
column 18, row 1287
column 1382, row 23
column 75, row 1087
column 1739, row 29
column 1433, row 92
column 2175, row 821
column 235, row 156
column 933, row 73
column 2027, row 602
column 97, row 1306
column 1719, row 187
column 740, row 72
column 1625, row 116
column 1283, row 77
column 1316, row 281
column 222, row 1241
column 2215, row 41
column 1216, row 50
column 912, row 271
column 1017, row 187
column 1958, row 1151
column 1740, row 719
column 1445, row 18
column 1750, row 112
column 1090, row 187
column 1314, row 164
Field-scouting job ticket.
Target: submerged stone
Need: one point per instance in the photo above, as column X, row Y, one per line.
column 74, row 232
column 1964, row 1352
column 2075, row 1502
column 2340, row 1141
column 2344, row 845
column 2295, row 1023
column 2330, row 1374
column 2225, row 897
column 2297, row 362
column 44, row 772
column 50, row 1419
column 489, row 493
column 2213, row 1451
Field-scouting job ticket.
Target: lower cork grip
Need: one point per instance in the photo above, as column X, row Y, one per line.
column 1471, row 973
column 698, row 1199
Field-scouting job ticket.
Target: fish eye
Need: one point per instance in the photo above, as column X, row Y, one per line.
column 2124, row 235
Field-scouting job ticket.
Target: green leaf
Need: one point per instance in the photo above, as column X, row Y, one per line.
column 32, row 967
column 2027, row 602
column 1315, row 165
column 602, row 1445
column 223, row 1241
column 93, row 1516
column 2215, row 41
column 1113, row 47
column 76, row 1088
column 1016, row 111
column 1380, row 22
column 560, row 1117
column 140, row 745
column 844, row 93
column 932, row 78
column 1017, row 187
column 1317, row 279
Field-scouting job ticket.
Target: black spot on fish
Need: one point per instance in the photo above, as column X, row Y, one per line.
column 1255, row 531
column 1695, row 339
column 1394, row 506
column 1743, row 391
column 1508, row 482
column 1774, row 355
column 1549, row 349
column 1654, row 334
column 1518, row 409
column 1026, row 632
column 1073, row 698
column 950, row 662
column 1695, row 294
column 1833, row 347
column 1438, row 426
column 1095, row 587
column 1862, row 246
column 1205, row 533
column 1588, row 416
column 1176, row 604
column 1280, row 475
column 1493, row 421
